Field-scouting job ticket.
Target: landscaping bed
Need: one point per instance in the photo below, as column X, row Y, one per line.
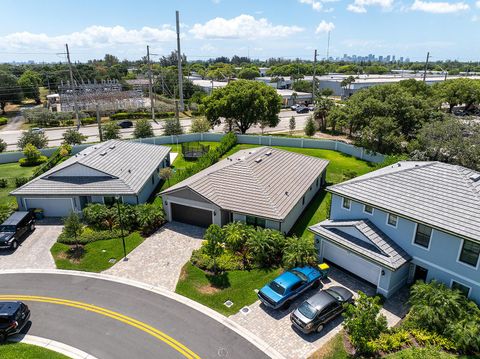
column 11, row 350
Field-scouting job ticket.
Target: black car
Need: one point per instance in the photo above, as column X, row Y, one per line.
column 321, row 308
column 125, row 124
column 302, row 109
column 14, row 229
column 13, row 318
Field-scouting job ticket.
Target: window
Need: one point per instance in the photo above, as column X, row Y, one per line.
column 255, row 221
column 368, row 209
column 462, row 288
column 303, row 200
column 317, row 182
column 153, row 180
column 109, row 201
column 422, row 237
column 470, row 253
column 392, row 220
column 346, row 203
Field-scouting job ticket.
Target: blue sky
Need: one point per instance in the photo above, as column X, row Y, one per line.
column 37, row 30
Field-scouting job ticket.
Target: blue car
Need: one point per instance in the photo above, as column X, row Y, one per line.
column 281, row 291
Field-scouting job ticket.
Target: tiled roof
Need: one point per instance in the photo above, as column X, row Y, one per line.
column 441, row 195
column 263, row 181
column 379, row 248
column 126, row 166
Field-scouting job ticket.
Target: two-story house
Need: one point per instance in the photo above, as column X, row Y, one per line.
column 405, row 222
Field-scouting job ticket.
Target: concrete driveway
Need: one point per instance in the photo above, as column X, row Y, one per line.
column 34, row 251
column 159, row 259
column 275, row 328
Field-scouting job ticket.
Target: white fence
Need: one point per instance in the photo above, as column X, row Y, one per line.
column 345, row 148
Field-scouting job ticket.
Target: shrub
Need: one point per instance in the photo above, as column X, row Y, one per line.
column 38, row 139
column 3, row 145
column 143, row 129
column 299, row 252
column 73, row 137
column 68, row 123
column 172, row 127
column 3, row 121
column 89, row 235
column 20, row 181
column 53, row 123
column 236, row 240
column 213, row 246
column 390, row 342
column 227, row 261
column 425, row 338
column 111, row 131
column 100, row 216
column 266, row 246
column 3, row 182
column 138, row 115
column 32, row 155
column 150, row 218
column 24, row 162
column 88, row 120
column 5, row 211
column 200, row 125
column 310, row 127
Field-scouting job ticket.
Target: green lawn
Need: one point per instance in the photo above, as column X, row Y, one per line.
column 213, row 291
column 97, row 254
column 11, row 350
column 10, row 171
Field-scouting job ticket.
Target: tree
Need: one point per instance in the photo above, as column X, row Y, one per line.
column 292, row 124
column 3, row 145
column 323, row 105
column 347, row 82
column 299, row 252
column 246, row 102
column 150, row 217
column 31, row 153
column 172, row 127
column 73, row 137
column 266, row 246
column 38, row 139
column 326, row 92
column 248, row 73
column 200, row 125
column 215, row 239
column 165, row 174
column 381, row 135
column 363, row 321
column 236, row 240
column 72, row 227
column 143, row 129
column 111, row 131
column 15, row 92
column 310, row 126
column 458, row 91
column 302, row 86
column 30, row 83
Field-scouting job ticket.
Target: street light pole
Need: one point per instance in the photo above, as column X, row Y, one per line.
column 121, row 228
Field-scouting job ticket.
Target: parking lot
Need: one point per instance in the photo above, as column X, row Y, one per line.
column 274, row 326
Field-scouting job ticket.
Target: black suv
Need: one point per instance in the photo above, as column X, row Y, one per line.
column 13, row 230
column 13, row 317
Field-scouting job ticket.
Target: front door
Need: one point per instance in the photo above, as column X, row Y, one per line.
column 420, row 273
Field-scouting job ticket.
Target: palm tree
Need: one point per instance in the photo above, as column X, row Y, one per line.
column 236, row 238
column 322, row 108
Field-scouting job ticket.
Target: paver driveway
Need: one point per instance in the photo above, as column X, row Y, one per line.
column 159, row 259
column 34, row 251
column 274, row 326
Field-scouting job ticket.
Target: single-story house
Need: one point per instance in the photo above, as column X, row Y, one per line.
column 261, row 186
column 98, row 174
column 406, row 222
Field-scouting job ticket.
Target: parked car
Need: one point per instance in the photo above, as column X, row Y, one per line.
column 125, row 124
column 13, row 318
column 14, row 229
column 319, row 309
column 311, row 107
column 281, row 291
column 302, row 109
column 37, row 130
column 294, row 107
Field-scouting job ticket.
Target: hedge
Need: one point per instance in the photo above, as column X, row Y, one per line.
column 88, row 120
column 24, row 162
column 89, row 235
column 3, row 121
column 138, row 115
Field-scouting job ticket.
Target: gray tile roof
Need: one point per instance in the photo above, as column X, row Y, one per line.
column 379, row 248
column 263, row 181
column 127, row 166
column 444, row 196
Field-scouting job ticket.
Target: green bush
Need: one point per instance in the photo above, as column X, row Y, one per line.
column 99, row 216
column 53, row 123
column 3, row 182
column 24, row 162
column 299, row 252
column 88, row 121
column 390, row 342
column 3, row 121
column 227, row 261
column 139, row 115
column 68, row 122
column 89, row 235
column 20, row 181
column 425, row 338
column 150, row 218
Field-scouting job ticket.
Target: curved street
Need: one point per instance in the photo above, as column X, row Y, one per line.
column 112, row 320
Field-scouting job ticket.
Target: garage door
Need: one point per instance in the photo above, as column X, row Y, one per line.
column 191, row 215
column 52, row 207
column 351, row 262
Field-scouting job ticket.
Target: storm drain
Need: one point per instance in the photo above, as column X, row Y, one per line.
column 245, row 310
column 112, row 260
column 228, row 303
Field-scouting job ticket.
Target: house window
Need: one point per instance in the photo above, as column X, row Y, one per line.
column 422, row 237
column 346, row 203
column 462, row 288
column 303, row 200
column 317, row 182
column 392, row 220
column 255, row 221
column 153, row 180
column 109, row 201
column 368, row 209
column 470, row 253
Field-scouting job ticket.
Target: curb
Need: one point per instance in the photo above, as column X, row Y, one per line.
column 52, row 345
column 246, row 334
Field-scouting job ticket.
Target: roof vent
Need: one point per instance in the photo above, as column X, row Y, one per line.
column 286, row 193
column 475, row 177
column 103, row 153
column 111, row 147
column 269, row 153
column 258, row 160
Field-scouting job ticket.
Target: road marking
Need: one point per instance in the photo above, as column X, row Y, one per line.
column 182, row 349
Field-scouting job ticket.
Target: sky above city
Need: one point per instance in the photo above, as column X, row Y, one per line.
column 38, row 30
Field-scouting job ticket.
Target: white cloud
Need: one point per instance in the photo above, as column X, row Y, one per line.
column 241, row 27
column 439, row 7
column 360, row 6
column 91, row 37
column 208, row 48
column 478, row 4
column 316, row 5
column 324, row 27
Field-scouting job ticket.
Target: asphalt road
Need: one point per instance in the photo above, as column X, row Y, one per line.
column 106, row 336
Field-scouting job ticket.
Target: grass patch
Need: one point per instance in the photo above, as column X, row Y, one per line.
column 11, row 350
column 96, row 255
column 10, row 171
column 213, row 291
column 333, row 349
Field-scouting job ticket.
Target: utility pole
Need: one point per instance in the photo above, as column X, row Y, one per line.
column 425, row 69
column 99, row 122
column 328, row 45
column 72, row 88
column 150, row 85
column 314, row 82
column 179, row 58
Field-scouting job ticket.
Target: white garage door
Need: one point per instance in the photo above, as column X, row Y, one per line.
column 351, row 262
column 52, row 207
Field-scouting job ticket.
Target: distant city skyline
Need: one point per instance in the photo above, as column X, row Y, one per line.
column 258, row 29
